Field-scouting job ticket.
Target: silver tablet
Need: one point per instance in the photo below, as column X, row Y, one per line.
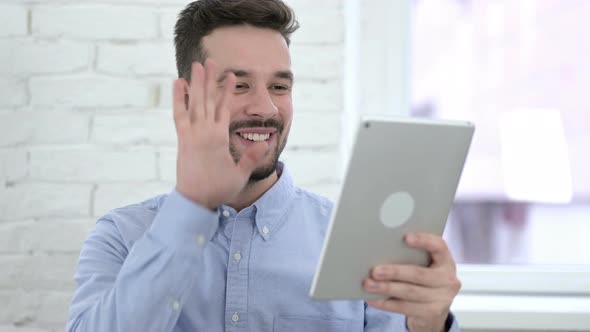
column 401, row 178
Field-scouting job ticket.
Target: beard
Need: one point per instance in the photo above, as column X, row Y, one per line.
column 264, row 171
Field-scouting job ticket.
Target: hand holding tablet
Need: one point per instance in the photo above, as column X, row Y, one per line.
column 401, row 179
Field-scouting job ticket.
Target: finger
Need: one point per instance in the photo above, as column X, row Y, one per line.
column 181, row 116
column 407, row 308
column 250, row 158
column 434, row 244
column 210, row 89
column 418, row 275
column 400, row 290
column 195, row 106
column 223, row 113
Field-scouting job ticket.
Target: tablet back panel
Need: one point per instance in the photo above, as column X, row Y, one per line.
column 400, row 169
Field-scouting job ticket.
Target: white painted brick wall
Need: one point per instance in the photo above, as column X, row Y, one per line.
column 95, row 22
column 91, row 164
column 109, row 195
column 90, row 91
column 167, row 21
column 62, row 235
column 137, row 59
column 311, row 129
column 321, row 27
column 155, row 127
column 12, row 92
column 167, row 164
column 86, row 126
column 59, row 57
column 313, row 166
column 12, row 328
column 37, row 271
column 42, row 200
column 318, row 96
column 14, row 21
column 13, row 165
column 26, row 127
column 35, row 308
column 326, row 63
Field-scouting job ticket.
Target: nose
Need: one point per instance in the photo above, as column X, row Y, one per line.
column 262, row 104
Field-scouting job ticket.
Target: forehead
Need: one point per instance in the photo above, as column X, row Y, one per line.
column 248, row 48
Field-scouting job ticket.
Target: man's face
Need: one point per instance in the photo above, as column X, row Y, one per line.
column 261, row 106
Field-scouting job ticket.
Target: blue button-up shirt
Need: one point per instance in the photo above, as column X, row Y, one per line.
column 168, row 264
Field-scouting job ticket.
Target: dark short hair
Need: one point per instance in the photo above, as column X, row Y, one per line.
column 201, row 17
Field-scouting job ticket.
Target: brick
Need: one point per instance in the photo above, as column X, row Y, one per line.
column 89, row 164
column 306, row 129
column 14, row 20
column 34, row 309
column 31, row 272
column 100, row 22
column 112, row 196
column 166, row 90
column 83, row 91
column 30, row 200
column 168, row 20
column 320, row 27
column 13, row 164
column 313, row 167
column 17, row 128
column 45, row 235
column 153, row 127
column 42, row 57
column 167, row 165
column 12, row 92
column 317, row 62
column 137, row 59
column 311, row 96
column 20, row 328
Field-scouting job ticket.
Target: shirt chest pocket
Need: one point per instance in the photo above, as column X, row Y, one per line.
column 312, row 324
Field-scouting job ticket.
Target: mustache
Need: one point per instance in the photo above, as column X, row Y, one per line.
column 270, row 123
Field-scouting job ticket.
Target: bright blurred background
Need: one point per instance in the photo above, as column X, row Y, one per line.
column 518, row 70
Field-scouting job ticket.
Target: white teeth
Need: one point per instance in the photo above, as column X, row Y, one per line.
column 255, row 137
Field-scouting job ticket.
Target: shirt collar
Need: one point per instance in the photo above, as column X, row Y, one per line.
column 269, row 210
column 272, row 206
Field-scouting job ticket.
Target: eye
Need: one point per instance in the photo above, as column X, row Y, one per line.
column 280, row 88
column 242, row 87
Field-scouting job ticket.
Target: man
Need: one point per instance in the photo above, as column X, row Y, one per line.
column 235, row 245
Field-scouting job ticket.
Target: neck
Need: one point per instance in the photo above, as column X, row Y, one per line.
column 252, row 192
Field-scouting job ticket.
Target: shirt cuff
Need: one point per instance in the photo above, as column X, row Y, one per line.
column 451, row 324
column 182, row 222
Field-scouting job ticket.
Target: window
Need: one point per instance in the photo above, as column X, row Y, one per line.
column 498, row 63
column 518, row 70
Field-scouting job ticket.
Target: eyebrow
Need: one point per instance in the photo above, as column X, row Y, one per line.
column 283, row 74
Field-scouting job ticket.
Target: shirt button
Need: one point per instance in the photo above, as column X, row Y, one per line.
column 235, row 317
column 237, row 256
column 201, row 240
column 176, row 305
column 265, row 230
column 225, row 213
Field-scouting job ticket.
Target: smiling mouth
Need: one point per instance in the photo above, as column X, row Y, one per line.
column 255, row 137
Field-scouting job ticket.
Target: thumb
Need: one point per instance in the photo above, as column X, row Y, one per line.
column 250, row 158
